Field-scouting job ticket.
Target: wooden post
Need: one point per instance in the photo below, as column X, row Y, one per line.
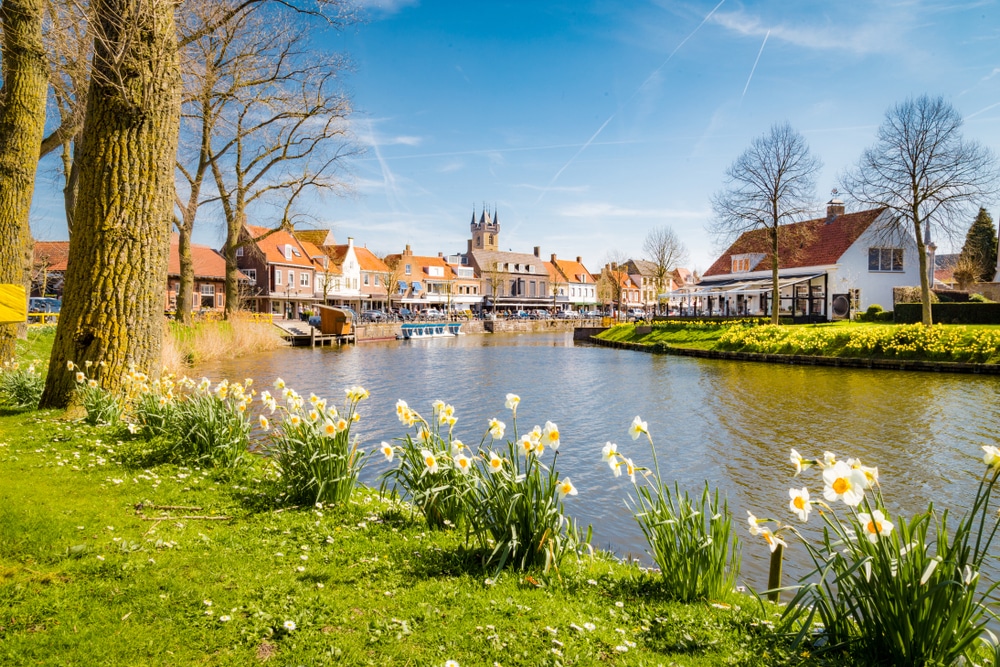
column 774, row 574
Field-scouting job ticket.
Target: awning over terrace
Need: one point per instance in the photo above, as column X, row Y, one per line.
column 732, row 287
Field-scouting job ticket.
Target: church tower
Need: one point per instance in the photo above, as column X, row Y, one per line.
column 486, row 232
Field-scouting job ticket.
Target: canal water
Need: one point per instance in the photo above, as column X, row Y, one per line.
column 730, row 423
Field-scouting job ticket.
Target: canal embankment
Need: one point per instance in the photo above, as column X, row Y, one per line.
column 373, row 331
column 939, row 349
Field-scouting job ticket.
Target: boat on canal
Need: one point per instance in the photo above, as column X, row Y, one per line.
column 431, row 330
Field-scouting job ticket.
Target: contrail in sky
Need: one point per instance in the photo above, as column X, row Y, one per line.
column 630, row 97
column 971, row 115
column 754, row 68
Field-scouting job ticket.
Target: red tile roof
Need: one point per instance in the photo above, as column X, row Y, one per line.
column 273, row 247
column 818, row 242
column 575, row 272
column 52, row 254
column 368, row 261
column 207, row 262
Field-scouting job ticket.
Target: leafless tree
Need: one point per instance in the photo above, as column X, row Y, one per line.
column 390, row 278
column 769, row 186
column 666, row 251
column 924, row 172
column 283, row 135
column 494, row 276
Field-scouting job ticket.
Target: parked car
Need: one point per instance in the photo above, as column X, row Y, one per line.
column 592, row 313
column 431, row 314
column 522, row 315
column 568, row 315
column 373, row 316
column 637, row 314
column 44, row 304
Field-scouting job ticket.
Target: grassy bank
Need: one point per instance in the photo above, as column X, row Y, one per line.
column 947, row 343
column 95, row 570
column 184, row 346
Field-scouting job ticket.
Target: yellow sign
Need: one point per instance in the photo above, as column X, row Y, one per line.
column 13, row 304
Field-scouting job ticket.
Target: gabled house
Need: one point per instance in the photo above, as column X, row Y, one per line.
column 48, row 268
column 576, row 287
column 209, row 268
column 643, row 274
column 280, row 270
column 827, row 267
column 434, row 282
column 373, row 278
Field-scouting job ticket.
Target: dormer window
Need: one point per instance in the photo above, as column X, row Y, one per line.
column 746, row 262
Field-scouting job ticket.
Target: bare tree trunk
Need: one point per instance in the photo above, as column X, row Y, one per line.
column 22, row 122
column 185, row 293
column 113, row 306
column 926, row 316
column 775, row 287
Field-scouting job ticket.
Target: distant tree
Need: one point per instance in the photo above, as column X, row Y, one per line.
column 666, row 251
column 615, row 275
column 769, row 186
column 391, row 278
column 924, row 172
column 980, row 248
column 494, row 276
column 22, row 122
column 966, row 271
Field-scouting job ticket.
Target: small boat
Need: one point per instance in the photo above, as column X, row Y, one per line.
column 431, row 330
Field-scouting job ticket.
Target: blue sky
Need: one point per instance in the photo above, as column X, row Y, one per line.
column 586, row 123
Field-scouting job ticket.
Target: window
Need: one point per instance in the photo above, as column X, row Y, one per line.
column 407, row 269
column 365, row 278
column 291, row 278
column 251, row 275
column 741, row 264
column 239, row 251
column 277, row 276
column 207, row 295
column 885, row 259
column 304, row 279
column 376, row 280
column 491, row 239
column 435, row 271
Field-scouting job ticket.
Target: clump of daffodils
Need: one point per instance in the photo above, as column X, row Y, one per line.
column 501, row 491
column 884, row 589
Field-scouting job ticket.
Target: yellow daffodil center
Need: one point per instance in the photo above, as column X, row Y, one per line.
column 799, row 503
column 841, row 485
column 429, row 461
column 874, row 527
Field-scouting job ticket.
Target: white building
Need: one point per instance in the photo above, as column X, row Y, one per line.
column 828, row 266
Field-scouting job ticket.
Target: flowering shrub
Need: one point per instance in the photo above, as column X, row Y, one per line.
column 312, row 446
column 690, row 540
column 20, row 385
column 509, row 500
column 938, row 342
column 881, row 590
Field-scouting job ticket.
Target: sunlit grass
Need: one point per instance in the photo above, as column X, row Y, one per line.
column 86, row 578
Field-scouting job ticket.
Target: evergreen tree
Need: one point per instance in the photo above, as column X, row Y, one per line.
column 980, row 247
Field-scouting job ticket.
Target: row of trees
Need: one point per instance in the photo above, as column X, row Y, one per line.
column 921, row 169
column 263, row 123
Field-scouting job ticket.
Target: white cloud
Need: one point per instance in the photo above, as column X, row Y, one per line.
column 861, row 35
column 382, row 8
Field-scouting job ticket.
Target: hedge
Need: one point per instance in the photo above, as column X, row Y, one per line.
column 950, row 313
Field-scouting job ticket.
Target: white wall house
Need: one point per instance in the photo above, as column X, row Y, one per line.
column 828, row 266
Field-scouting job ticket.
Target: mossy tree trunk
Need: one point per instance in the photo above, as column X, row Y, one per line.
column 115, row 281
column 185, row 293
column 22, row 122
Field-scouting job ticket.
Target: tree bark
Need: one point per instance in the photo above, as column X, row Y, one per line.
column 775, row 287
column 185, row 293
column 22, row 124
column 114, row 291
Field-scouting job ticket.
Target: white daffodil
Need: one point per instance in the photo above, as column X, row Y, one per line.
column 799, row 503
column 512, row 401
column 279, row 384
column 630, row 469
column 495, row 464
column 387, row 451
column 991, row 458
column 457, row 446
column 566, row 488
column 264, row 423
column 313, row 415
column 875, row 525
column 497, row 428
column 754, row 523
column 844, row 483
column 526, row 444
column 329, row 429
column 773, row 541
column 463, row 463
column 550, row 435
column 609, row 453
column 429, row 461
column 294, row 420
column 637, row 428
column 80, row 377
column 799, row 462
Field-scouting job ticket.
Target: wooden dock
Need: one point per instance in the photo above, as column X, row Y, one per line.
column 301, row 334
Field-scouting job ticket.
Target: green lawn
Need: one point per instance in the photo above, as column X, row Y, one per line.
column 87, row 579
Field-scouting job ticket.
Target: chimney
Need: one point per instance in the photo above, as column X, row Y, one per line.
column 579, row 260
column 350, row 241
column 440, row 254
column 407, row 251
column 834, row 207
column 553, row 260
column 538, row 251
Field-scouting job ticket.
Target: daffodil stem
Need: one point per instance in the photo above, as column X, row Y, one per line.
column 774, row 574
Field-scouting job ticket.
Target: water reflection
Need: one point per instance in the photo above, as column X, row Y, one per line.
column 730, row 423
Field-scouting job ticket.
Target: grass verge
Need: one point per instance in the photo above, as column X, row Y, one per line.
column 95, row 569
